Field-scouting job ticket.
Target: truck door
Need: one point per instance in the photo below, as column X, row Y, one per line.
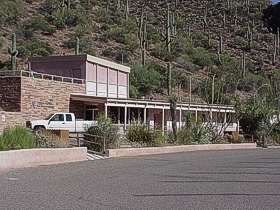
column 70, row 123
column 57, row 122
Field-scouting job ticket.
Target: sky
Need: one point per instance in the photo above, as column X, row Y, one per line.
column 275, row 1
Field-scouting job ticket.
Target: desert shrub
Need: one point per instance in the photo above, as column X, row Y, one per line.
column 103, row 16
column 192, row 132
column 84, row 46
column 141, row 134
column 17, row 137
column 5, row 64
column 202, row 58
column 104, row 128
column 47, row 139
column 131, row 42
column 34, row 24
column 160, row 51
column 13, row 12
column 145, row 79
column 34, row 47
column 108, row 52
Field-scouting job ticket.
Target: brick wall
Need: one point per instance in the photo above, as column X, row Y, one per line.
column 10, row 90
column 39, row 98
column 77, row 107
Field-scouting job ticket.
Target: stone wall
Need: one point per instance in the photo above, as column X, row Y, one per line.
column 10, row 90
column 39, row 98
column 77, row 107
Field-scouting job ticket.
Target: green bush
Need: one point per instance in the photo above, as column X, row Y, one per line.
column 202, row 58
column 144, row 79
column 17, row 137
column 192, row 132
column 13, row 12
column 104, row 128
column 47, row 139
column 34, row 48
column 34, row 24
column 141, row 134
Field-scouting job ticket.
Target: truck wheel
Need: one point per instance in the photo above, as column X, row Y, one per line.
column 38, row 130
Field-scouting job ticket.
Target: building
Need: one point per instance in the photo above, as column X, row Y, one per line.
column 87, row 85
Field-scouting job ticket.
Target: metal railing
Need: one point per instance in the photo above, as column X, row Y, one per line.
column 37, row 75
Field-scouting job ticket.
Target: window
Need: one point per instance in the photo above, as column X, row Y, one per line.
column 58, row 117
column 68, row 117
column 76, row 73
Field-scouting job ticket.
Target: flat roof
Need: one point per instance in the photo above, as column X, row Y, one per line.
column 85, row 57
column 139, row 103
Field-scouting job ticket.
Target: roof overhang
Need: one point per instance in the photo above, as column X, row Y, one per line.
column 150, row 104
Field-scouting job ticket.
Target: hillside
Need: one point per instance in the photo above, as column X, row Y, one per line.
column 220, row 43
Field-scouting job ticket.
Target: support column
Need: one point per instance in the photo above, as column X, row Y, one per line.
column 196, row 115
column 180, row 118
column 119, row 115
column 125, row 120
column 238, row 126
column 162, row 122
column 106, row 110
column 128, row 114
column 145, row 114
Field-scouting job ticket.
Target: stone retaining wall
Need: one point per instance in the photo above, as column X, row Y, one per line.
column 174, row 149
column 35, row 157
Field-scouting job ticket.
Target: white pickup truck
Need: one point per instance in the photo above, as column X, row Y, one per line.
column 61, row 121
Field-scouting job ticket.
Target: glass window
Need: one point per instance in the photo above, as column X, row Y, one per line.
column 68, row 117
column 58, row 117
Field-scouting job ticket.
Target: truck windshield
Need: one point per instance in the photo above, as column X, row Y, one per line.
column 49, row 117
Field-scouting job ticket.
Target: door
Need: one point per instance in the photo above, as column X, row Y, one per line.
column 70, row 123
column 158, row 121
column 57, row 122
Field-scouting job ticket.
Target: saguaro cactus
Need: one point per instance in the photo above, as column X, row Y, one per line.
column 277, row 40
column 142, row 34
column 170, row 32
column 274, row 50
column 168, row 35
column 235, row 16
column 224, row 19
column 209, row 39
column 205, row 24
column 249, row 36
column 221, row 43
column 77, row 46
column 13, row 52
column 126, row 9
column 243, row 65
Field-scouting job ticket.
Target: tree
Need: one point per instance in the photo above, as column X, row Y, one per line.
column 271, row 17
column 143, row 80
column 256, row 116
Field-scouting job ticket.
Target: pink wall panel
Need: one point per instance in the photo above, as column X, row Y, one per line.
column 91, row 72
column 122, row 78
column 113, row 77
column 101, row 74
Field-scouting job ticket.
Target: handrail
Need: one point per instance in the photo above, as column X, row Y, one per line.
column 81, row 139
column 23, row 73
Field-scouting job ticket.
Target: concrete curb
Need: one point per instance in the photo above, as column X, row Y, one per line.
column 41, row 156
column 173, row 149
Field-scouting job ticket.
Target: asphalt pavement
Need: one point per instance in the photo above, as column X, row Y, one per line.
column 229, row 179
